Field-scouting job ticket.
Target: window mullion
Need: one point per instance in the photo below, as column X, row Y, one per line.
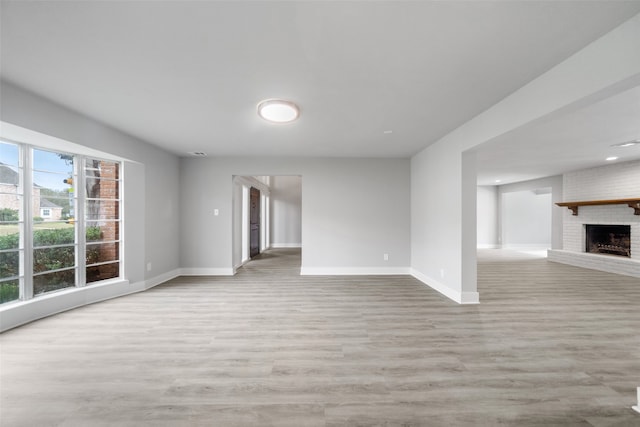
column 121, row 234
column 81, row 236
column 27, row 223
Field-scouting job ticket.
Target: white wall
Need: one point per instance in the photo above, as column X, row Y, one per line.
column 554, row 229
column 353, row 211
column 526, row 219
column 151, row 211
column 436, row 218
column 443, row 201
column 286, row 211
column 487, row 216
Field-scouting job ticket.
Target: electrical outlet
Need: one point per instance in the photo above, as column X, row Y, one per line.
column 385, row 257
column 216, row 212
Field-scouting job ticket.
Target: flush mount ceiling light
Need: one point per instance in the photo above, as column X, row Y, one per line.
column 278, row 111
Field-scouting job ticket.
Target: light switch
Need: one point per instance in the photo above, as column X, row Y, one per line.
column 216, row 212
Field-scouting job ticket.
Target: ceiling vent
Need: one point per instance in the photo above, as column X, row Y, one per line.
column 198, row 153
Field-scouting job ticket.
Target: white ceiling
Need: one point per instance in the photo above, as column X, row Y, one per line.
column 187, row 75
column 571, row 141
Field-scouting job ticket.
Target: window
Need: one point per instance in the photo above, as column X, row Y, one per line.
column 11, row 222
column 54, row 242
column 69, row 225
column 102, row 219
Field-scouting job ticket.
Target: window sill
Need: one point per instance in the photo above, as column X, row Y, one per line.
column 63, row 292
column 13, row 314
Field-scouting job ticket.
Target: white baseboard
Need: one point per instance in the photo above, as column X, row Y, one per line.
column 470, row 298
column 206, row 272
column 237, row 266
column 518, row 246
column 457, row 296
column 488, row 246
column 286, row 245
column 353, row 271
column 164, row 277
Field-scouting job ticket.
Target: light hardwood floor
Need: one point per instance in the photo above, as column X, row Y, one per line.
column 549, row 345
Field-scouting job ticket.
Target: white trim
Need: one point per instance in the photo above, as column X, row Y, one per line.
column 520, row 246
column 236, row 267
column 164, row 277
column 15, row 133
column 22, row 312
column 488, row 246
column 79, row 200
column 206, row 272
column 470, row 298
column 250, row 181
column 245, row 224
column 353, row 271
column 457, row 296
column 286, row 245
column 26, row 272
column 14, row 314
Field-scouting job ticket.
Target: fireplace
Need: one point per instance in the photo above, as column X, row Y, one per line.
column 608, row 239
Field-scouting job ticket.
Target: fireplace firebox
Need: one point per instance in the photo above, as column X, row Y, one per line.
column 608, row 239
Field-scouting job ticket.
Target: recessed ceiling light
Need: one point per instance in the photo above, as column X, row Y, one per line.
column 278, row 111
column 609, row 159
column 627, row 144
column 198, row 153
column 388, row 131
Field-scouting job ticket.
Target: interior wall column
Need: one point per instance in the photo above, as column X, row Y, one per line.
column 469, row 194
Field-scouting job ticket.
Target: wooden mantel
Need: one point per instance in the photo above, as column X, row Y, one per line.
column 632, row 203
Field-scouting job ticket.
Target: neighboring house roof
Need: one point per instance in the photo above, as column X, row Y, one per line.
column 44, row 203
column 8, row 175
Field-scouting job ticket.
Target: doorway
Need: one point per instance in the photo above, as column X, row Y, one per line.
column 266, row 217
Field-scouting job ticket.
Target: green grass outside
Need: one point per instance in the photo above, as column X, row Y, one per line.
column 6, row 229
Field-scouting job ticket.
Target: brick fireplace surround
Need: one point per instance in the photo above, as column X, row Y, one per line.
column 616, row 181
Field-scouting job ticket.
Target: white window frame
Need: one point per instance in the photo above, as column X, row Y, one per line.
column 119, row 221
column 26, row 247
